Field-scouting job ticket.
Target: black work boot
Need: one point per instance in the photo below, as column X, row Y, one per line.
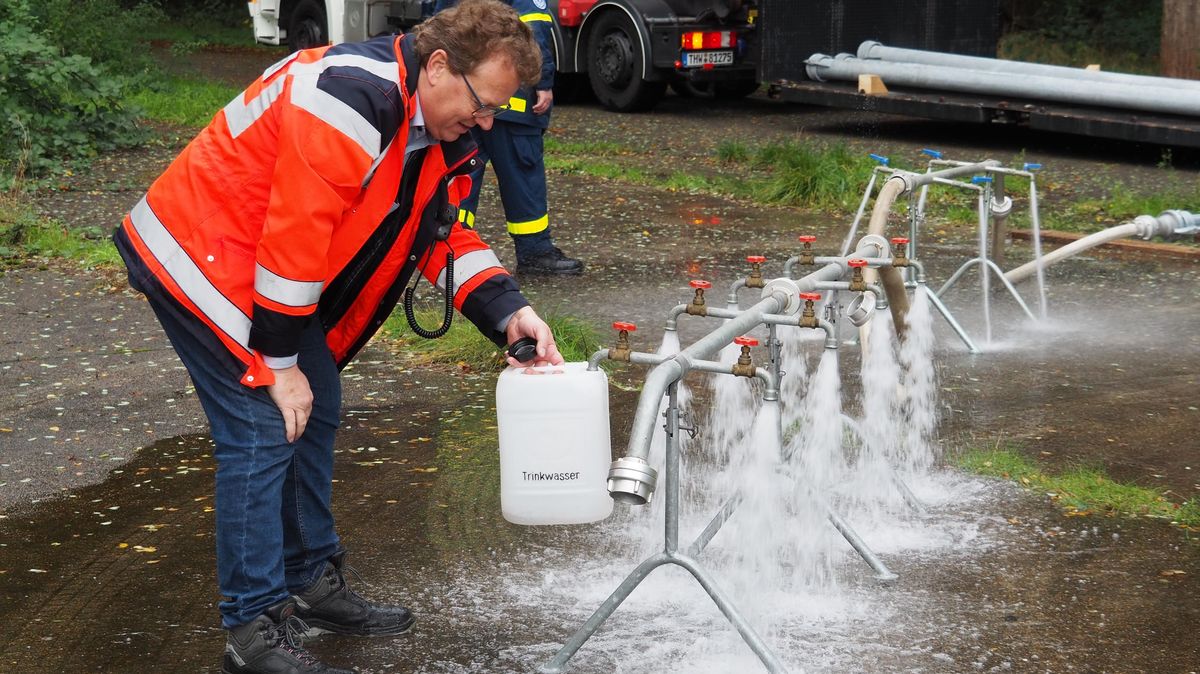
column 552, row 261
column 329, row 605
column 272, row 643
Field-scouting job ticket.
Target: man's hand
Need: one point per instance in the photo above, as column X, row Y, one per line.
column 526, row 323
column 544, row 98
column 294, row 399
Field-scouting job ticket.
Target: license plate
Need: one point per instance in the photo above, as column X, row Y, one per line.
column 695, row 59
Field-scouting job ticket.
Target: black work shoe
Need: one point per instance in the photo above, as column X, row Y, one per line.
column 552, row 261
column 329, row 605
column 272, row 643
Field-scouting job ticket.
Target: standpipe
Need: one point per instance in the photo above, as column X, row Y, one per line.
column 901, row 183
column 631, row 479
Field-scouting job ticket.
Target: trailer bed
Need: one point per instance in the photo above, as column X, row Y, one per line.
column 1126, row 125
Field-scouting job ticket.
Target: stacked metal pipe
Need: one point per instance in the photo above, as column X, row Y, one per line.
column 998, row 77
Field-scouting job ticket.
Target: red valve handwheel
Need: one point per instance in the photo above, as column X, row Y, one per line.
column 755, row 259
column 627, row 327
column 857, row 262
column 697, row 283
column 899, row 240
column 807, row 238
column 745, row 341
column 812, row 297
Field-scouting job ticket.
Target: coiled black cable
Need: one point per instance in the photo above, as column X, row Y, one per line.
column 449, row 317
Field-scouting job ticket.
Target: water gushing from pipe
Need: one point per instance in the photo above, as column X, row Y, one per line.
column 918, row 408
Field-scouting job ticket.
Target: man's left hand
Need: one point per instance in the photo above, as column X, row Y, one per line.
column 526, row 323
column 545, row 97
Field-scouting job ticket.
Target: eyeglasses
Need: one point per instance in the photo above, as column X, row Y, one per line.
column 482, row 110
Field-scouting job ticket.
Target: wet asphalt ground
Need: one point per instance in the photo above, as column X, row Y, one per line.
column 106, row 557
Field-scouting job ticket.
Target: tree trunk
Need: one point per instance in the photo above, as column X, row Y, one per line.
column 1181, row 39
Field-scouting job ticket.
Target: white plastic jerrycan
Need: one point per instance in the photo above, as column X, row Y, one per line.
column 554, row 444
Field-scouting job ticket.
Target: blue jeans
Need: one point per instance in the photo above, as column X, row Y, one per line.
column 274, row 525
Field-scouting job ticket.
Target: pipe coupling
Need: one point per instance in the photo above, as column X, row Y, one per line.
column 876, row 241
column 865, row 49
column 631, row 480
column 1180, row 223
column 1148, row 227
column 860, row 309
column 789, row 288
column 1001, row 207
column 815, row 64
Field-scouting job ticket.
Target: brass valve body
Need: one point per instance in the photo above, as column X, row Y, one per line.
column 857, row 282
column 744, row 366
column 622, row 350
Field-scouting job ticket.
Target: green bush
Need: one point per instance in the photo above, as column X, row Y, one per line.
column 104, row 31
column 55, row 106
column 1119, row 35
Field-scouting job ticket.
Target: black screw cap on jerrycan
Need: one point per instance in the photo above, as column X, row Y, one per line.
column 523, row 350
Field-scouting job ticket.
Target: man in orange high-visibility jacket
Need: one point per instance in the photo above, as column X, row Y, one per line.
column 274, row 247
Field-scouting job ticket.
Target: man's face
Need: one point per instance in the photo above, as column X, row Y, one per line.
column 447, row 101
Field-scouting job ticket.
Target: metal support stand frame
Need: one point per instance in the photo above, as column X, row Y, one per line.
column 687, row 559
column 672, row 555
column 986, row 267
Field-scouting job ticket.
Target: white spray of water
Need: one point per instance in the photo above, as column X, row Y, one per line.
column 795, row 374
column 646, row 525
column 813, row 462
column 918, row 445
column 733, row 407
column 872, row 484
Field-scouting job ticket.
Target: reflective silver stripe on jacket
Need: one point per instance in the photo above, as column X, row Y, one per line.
column 336, row 113
column 195, row 285
column 468, row 266
column 240, row 115
column 285, row 291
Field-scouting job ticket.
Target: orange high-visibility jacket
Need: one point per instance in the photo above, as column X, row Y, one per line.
column 296, row 204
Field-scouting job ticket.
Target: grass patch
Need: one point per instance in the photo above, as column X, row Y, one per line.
column 465, row 348
column 23, row 235
column 1082, row 490
column 823, row 177
column 810, row 175
column 1006, row 463
column 599, row 168
column 1122, row 204
column 181, row 100
column 732, row 151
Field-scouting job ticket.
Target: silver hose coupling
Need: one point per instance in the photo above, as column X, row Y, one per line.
column 631, row 480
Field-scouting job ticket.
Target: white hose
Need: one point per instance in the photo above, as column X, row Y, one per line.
column 1091, row 241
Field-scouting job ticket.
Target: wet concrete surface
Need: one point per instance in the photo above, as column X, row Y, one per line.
column 106, row 559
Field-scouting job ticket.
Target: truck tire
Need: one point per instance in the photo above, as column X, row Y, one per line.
column 615, row 61
column 307, row 27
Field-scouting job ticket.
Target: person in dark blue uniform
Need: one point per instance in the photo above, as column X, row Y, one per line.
column 514, row 147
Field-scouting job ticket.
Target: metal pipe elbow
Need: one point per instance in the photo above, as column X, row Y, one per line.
column 831, row 341
column 674, row 315
column 916, row 264
column 733, row 291
column 594, row 360
column 770, row 383
column 787, row 265
column 631, row 479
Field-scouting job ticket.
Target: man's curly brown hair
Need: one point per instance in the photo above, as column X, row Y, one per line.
column 474, row 30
